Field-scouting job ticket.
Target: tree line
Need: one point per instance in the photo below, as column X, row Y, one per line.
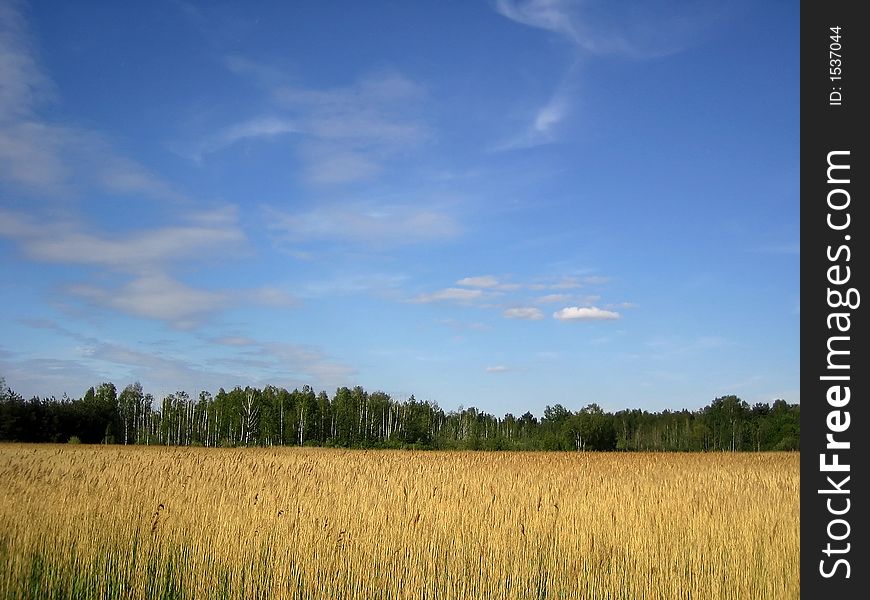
column 355, row 418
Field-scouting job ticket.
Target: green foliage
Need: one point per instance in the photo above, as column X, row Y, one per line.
column 355, row 418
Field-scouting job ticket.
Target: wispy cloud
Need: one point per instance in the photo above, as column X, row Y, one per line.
column 294, row 364
column 629, row 29
column 29, row 148
column 482, row 281
column 623, row 305
column 552, row 298
column 512, row 299
column 234, row 340
column 551, row 15
column 94, row 358
column 585, row 313
column 244, row 361
column 523, row 312
column 45, row 157
column 22, row 83
column 490, row 283
column 452, row 294
column 498, row 369
column 352, row 131
column 121, row 175
column 254, row 129
column 70, row 242
column 571, row 282
column 161, row 297
column 544, row 122
column 560, row 283
column 137, row 265
column 352, row 283
column 633, row 29
column 363, row 223
column 342, row 134
column 269, row 296
column 266, row 75
column 155, row 296
column 550, row 115
column 596, row 280
column 50, row 376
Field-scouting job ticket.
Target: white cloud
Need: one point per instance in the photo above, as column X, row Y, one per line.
column 529, row 313
column 498, row 369
column 483, row 281
column 588, row 313
column 449, row 295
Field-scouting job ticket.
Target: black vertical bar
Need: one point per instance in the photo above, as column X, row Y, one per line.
column 834, row 227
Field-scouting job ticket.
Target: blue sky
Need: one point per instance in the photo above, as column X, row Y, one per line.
column 503, row 204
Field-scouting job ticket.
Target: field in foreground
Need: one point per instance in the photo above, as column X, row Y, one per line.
column 134, row 522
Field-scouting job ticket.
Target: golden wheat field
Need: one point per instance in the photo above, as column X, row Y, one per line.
column 146, row 522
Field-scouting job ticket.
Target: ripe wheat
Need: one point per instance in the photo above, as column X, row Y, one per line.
column 145, row 523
